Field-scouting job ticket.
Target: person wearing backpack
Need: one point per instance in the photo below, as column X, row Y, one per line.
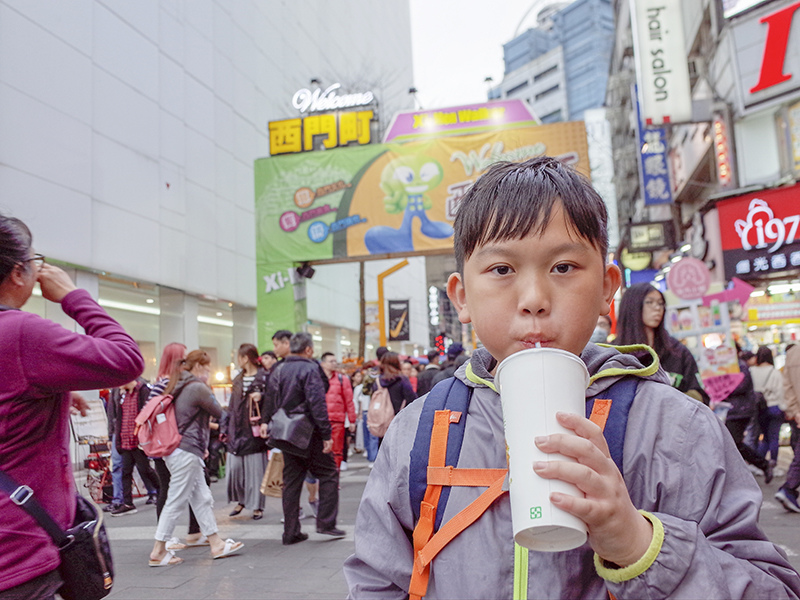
column 401, row 394
column 194, row 403
column 674, row 515
column 767, row 380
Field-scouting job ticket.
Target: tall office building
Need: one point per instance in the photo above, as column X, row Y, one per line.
column 561, row 66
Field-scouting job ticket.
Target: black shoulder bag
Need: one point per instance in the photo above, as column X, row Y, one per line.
column 86, row 565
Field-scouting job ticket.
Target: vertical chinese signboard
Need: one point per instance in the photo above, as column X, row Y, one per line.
column 653, row 172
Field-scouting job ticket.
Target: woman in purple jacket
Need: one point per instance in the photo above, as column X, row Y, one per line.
column 40, row 363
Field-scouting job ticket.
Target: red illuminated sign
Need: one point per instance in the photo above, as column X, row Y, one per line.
column 722, row 152
column 760, row 232
column 779, row 25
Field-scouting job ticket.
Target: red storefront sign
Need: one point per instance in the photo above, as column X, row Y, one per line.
column 760, row 233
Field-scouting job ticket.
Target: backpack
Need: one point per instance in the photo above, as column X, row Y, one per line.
column 380, row 412
column 434, row 456
column 157, row 427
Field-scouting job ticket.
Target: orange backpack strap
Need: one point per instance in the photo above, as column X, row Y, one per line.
column 600, row 412
column 427, row 514
column 461, row 521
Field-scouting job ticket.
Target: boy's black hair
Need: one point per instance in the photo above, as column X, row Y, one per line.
column 282, row 334
column 512, row 199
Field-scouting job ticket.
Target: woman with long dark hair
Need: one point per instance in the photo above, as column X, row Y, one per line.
column 194, row 403
column 41, row 362
column 641, row 321
column 247, row 458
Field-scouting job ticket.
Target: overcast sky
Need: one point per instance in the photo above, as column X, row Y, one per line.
column 458, row 43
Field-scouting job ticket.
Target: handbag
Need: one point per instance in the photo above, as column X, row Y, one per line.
column 255, row 417
column 86, row 568
column 290, row 428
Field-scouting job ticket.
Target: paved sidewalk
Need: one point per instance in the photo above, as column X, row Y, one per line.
column 264, row 569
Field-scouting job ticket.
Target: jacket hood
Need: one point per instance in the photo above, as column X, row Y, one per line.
column 606, row 365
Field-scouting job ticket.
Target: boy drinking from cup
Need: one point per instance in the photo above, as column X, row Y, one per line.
column 679, row 521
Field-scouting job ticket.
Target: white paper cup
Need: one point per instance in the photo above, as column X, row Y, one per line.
column 534, row 384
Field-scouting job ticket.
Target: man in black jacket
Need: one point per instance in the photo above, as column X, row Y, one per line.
column 295, row 386
column 425, row 379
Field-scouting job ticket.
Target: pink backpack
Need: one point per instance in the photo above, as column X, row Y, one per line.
column 380, row 412
column 157, row 427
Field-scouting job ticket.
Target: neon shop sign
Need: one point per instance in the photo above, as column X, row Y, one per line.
column 320, row 100
column 761, row 229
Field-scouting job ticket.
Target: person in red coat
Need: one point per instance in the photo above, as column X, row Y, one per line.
column 339, row 399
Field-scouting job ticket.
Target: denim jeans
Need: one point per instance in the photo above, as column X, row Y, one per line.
column 116, row 471
column 770, row 421
column 370, row 442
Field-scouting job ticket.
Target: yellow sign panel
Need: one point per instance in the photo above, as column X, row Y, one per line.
column 298, row 135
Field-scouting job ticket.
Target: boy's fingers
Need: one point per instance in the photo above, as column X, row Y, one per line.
column 584, row 451
column 584, row 428
column 584, row 477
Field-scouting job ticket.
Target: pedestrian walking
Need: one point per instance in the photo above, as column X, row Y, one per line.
column 362, row 394
column 768, row 382
column 425, row 379
column 194, row 403
column 247, row 450
column 392, row 379
column 787, row 494
column 131, row 399
column 40, row 364
column 295, row 389
column 339, row 400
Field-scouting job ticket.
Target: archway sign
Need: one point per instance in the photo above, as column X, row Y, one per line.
column 376, row 201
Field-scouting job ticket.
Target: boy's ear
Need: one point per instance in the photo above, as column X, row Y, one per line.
column 611, row 282
column 458, row 296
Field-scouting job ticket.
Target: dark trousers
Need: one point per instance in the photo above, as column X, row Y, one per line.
column 321, row 466
column 736, row 428
column 793, row 473
column 139, row 458
column 163, row 491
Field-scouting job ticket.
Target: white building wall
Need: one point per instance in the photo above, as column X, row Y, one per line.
column 128, row 130
column 536, row 68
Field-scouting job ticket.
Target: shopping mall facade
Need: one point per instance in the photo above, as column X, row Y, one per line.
column 130, row 132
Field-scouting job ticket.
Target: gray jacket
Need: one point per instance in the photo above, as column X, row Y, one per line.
column 194, row 400
column 679, row 464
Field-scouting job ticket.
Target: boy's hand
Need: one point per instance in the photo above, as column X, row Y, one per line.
column 618, row 533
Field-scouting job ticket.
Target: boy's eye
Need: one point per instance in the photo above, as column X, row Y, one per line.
column 563, row 268
column 501, row 270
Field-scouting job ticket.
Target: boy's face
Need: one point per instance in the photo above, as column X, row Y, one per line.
column 548, row 289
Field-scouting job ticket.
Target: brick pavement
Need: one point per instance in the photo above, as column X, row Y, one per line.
column 264, row 569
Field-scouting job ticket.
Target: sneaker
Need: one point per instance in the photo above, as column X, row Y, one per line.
column 153, row 499
column 111, row 507
column 314, row 506
column 333, row 532
column 788, row 499
column 371, row 465
column 300, row 537
column 124, row 509
column 343, row 466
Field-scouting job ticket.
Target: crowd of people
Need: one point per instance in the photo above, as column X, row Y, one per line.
column 334, row 399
